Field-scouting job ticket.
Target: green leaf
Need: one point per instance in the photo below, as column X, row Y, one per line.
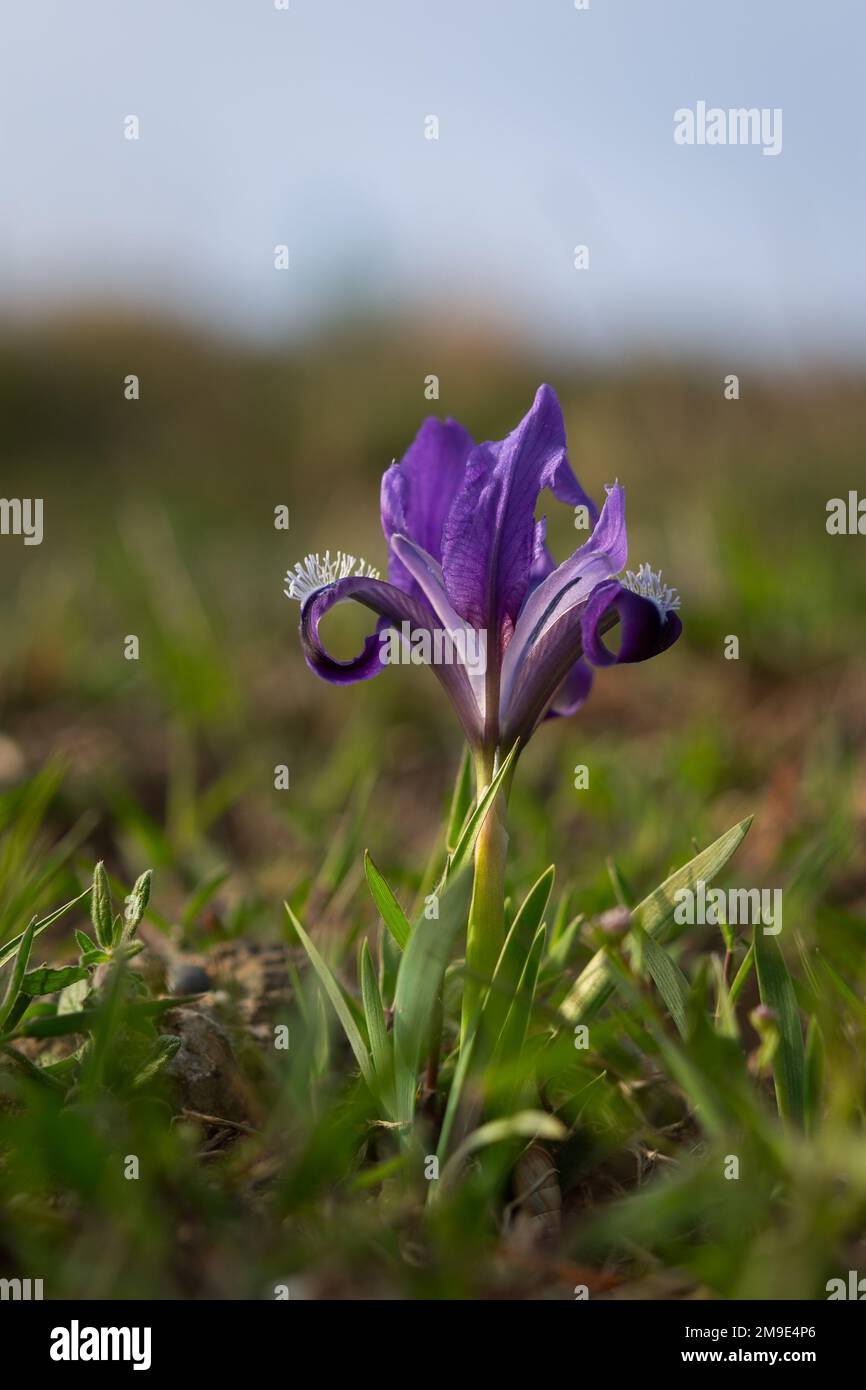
column 101, row 914
column 526, row 1124
column 461, row 801
column 74, row 996
column 419, row 983
column 55, row 1025
column 136, row 904
column 513, row 1034
column 10, row 947
column 95, row 957
column 815, row 1057
column 152, row 1008
column 725, row 1014
column 595, row 984
column 461, row 1071
column 374, row 1015
column 335, row 994
column 47, row 981
column 742, row 975
column 669, row 980
column 514, row 955
column 623, row 891
column 13, row 989
column 390, row 910
column 30, row 1069
column 466, row 843
column 851, row 1000
column 105, row 1028
column 86, row 944
column 160, row 1055
column 776, row 989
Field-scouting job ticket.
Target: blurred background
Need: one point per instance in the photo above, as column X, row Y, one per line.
column 409, row 258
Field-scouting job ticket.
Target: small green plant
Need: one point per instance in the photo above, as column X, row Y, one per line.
column 100, row 1000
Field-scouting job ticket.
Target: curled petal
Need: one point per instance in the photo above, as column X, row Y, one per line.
column 362, row 667
column 394, row 607
column 646, row 629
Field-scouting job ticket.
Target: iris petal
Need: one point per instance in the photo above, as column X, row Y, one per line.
column 417, row 493
column 427, row 574
column 490, row 533
column 394, row 607
column 546, row 663
column 570, row 584
column 646, row 630
column 572, row 693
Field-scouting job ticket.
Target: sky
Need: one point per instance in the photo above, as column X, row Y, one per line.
column 305, row 127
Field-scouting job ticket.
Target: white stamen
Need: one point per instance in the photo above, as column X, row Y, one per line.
column 648, row 583
column 318, row 571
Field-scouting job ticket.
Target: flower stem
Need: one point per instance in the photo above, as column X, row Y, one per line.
column 486, row 931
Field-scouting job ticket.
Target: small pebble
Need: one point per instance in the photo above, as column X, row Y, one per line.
column 189, row 978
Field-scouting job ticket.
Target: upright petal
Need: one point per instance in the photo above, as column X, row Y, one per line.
column 490, row 532
column 417, row 493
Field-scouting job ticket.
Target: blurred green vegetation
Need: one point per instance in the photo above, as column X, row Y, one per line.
column 159, row 523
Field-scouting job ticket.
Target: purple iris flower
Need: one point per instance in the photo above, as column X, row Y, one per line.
column 468, row 559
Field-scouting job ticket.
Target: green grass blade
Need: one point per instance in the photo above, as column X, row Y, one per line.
column 461, row 802
column 669, row 980
column 419, row 983
column 742, row 975
column 526, row 1124
column 461, row 1071
column 9, row 948
column 390, row 910
column 16, row 978
column 34, row 1072
column 595, row 984
column 777, row 992
column 335, row 994
column 815, row 1058
column 374, row 1014
column 513, row 1034
column 514, row 955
